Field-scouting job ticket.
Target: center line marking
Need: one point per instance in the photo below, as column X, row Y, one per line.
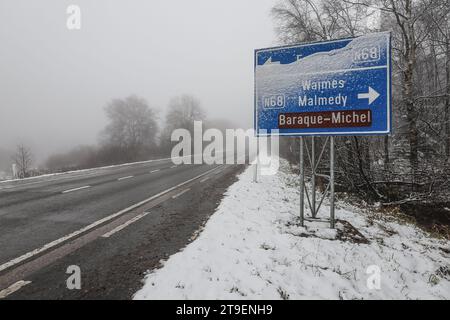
column 203, row 180
column 13, row 288
column 76, row 189
column 123, row 178
column 155, row 171
column 124, row 225
column 181, row 193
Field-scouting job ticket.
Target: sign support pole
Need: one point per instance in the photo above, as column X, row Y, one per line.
column 313, row 181
column 330, row 187
column 255, row 170
column 332, row 221
column 302, row 185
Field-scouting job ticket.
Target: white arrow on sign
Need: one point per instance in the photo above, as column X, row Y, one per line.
column 372, row 95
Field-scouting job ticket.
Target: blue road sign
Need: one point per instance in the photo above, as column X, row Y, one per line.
column 340, row 87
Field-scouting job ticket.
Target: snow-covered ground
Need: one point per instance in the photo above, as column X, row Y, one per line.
column 253, row 248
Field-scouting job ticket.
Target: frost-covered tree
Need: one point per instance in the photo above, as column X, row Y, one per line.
column 181, row 113
column 132, row 128
column 23, row 159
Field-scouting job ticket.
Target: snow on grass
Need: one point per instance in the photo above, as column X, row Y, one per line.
column 253, row 248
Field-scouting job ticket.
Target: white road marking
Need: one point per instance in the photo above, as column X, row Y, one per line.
column 173, row 167
column 124, row 225
column 155, row 171
column 181, row 193
column 203, row 180
column 124, row 178
column 76, row 189
column 74, row 234
column 13, row 288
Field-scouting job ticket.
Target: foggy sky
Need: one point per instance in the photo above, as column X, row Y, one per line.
column 54, row 83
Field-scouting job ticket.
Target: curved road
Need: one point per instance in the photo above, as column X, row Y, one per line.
column 36, row 212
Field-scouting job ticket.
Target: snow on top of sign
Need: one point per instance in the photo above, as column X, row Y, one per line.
column 332, row 60
column 278, row 76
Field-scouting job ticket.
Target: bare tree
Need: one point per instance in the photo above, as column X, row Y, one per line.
column 440, row 43
column 132, row 129
column 412, row 25
column 23, row 159
column 310, row 20
column 182, row 112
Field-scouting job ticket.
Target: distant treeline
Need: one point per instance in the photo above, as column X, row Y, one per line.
column 133, row 134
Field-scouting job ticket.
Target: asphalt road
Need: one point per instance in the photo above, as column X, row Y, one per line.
column 144, row 212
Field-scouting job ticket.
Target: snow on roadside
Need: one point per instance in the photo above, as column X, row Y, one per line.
column 253, row 248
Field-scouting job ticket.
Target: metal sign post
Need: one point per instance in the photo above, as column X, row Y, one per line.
column 313, row 208
column 302, row 185
column 330, row 88
column 332, row 220
column 256, row 168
